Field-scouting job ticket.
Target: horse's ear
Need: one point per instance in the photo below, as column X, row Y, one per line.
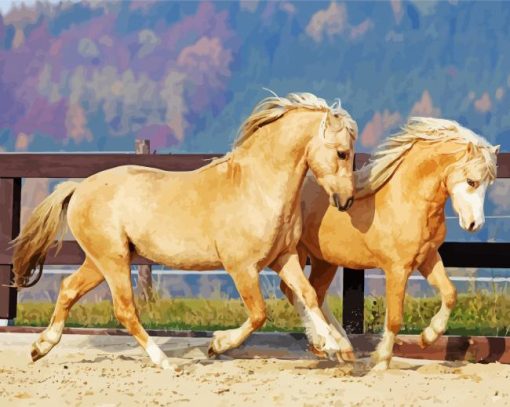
column 470, row 148
column 495, row 149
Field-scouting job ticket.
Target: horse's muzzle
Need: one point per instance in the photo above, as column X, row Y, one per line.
column 345, row 207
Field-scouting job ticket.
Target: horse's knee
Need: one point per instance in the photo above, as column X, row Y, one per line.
column 258, row 318
column 450, row 298
column 394, row 323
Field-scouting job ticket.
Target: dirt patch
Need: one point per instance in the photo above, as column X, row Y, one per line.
column 85, row 372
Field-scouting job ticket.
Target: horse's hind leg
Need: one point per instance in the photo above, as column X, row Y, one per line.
column 433, row 270
column 117, row 273
column 247, row 283
column 72, row 289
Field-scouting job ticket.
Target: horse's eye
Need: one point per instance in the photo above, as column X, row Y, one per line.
column 471, row 183
column 342, row 155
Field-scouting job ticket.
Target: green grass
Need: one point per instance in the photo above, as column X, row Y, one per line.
column 479, row 313
column 475, row 314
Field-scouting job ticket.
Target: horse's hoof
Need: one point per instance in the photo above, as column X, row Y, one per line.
column 211, row 353
column 176, row 370
column 166, row 365
column 319, row 353
column 422, row 342
column 348, row 355
column 35, row 354
column 375, row 358
column 380, row 366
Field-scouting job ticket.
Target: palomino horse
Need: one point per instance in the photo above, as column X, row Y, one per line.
column 240, row 212
column 397, row 222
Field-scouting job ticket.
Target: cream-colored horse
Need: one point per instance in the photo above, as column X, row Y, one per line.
column 240, row 212
column 397, row 222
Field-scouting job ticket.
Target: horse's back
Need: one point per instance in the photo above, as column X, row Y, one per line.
column 162, row 213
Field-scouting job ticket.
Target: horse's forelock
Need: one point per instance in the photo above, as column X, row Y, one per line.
column 485, row 159
column 482, row 155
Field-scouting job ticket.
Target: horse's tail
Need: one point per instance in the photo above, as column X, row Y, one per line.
column 39, row 233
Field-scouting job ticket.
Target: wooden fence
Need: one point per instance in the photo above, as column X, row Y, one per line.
column 15, row 166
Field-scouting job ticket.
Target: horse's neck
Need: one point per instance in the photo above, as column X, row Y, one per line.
column 419, row 178
column 274, row 160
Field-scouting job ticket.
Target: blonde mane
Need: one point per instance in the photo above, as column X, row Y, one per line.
column 272, row 108
column 386, row 159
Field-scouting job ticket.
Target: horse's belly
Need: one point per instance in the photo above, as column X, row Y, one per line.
column 179, row 252
column 344, row 249
column 349, row 255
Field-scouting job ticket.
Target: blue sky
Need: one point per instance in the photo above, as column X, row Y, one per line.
column 7, row 5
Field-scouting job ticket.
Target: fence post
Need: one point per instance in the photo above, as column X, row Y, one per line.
column 10, row 203
column 353, row 301
column 353, row 305
column 144, row 270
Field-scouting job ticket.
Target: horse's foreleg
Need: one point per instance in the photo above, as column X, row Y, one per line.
column 396, row 280
column 72, row 289
column 322, row 336
column 247, row 284
column 302, row 256
column 321, row 277
column 433, row 270
column 346, row 350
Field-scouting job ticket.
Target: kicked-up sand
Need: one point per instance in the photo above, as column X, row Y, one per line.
column 113, row 371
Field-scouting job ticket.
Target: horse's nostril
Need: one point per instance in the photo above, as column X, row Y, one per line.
column 347, row 205
column 336, row 200
column 472, row 226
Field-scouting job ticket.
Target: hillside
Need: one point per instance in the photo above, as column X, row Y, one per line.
column 92, row 76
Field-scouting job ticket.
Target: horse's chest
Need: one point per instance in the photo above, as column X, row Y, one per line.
column 285, row 231
column 431, row 238
column 290, row 229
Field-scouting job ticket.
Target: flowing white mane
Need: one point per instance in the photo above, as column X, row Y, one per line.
column 391, row 153
column 272, row 108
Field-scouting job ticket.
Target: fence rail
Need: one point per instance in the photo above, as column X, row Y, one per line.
column 81, row 165
column 15, row 166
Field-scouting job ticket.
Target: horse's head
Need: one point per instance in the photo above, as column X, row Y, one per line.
column 330, row 156
column 467, row 183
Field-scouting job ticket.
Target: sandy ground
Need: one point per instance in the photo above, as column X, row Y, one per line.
column 113, row 371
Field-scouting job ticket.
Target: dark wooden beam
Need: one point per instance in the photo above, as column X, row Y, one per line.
column 353, row 301
column 10, row 200
column 475, row 254
column 81, row 165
